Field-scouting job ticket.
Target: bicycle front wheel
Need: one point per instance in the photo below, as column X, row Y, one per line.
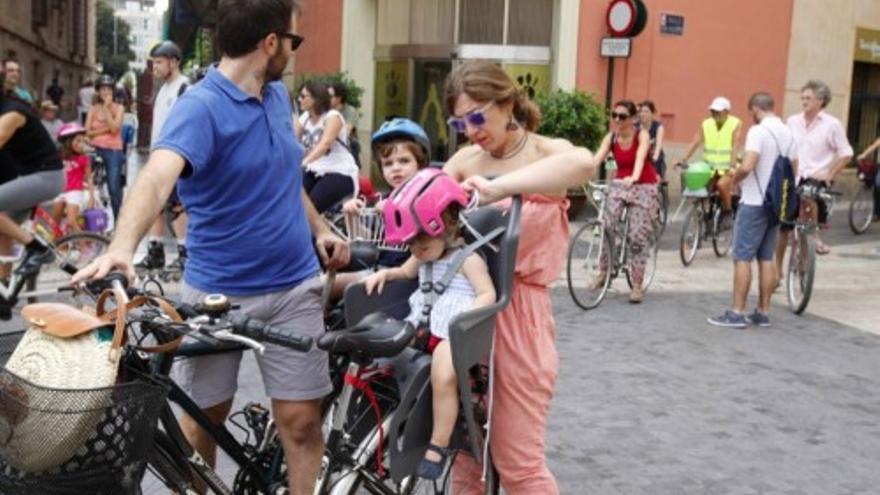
column 722, row 232
column 691, row 231
column 801, row 272
column 663, row 215
column 861, row 209
column 588, row 269
column 72, row 252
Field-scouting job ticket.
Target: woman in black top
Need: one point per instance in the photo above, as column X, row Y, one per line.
column 39, row 176
column 647, row 121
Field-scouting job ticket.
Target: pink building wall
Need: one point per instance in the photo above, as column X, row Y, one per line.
column 321, row 24
column 729, row 48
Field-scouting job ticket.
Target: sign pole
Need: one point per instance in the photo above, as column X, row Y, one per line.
column 609, row 86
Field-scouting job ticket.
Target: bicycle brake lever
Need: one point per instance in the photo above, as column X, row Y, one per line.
column 229, row 336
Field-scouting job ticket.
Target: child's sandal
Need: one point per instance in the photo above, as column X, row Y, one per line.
column 431, row 470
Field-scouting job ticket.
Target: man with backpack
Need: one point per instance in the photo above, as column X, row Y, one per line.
column 166, row 68
column 770, row 149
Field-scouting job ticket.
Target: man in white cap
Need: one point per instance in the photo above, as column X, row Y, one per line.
column 721, row 138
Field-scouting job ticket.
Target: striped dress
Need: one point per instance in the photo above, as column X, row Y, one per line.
column 458, row 297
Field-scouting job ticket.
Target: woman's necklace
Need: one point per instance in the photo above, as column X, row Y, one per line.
column 516, row 148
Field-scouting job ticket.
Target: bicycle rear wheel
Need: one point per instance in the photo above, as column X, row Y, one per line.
column 801, row 272
column 722, row 232
column 72, row 252
column 861, row 209
column 587, row 273
column 691, row 232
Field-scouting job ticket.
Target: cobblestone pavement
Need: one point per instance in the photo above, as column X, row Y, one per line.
column 652, row 400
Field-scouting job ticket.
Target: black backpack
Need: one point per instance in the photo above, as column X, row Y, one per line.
column 780, row 198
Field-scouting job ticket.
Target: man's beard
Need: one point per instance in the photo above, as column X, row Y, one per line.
column 275, row 67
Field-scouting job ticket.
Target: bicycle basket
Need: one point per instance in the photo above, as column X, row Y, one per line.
column 369, row 227
column 867, row 170
column 112, row 458
column 697, row 176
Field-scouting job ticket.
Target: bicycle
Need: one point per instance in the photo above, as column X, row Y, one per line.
column 598, row 253
column 861, row 206
column 382, row 387
column 704, row 221
column 801, row 271
column 72, row 251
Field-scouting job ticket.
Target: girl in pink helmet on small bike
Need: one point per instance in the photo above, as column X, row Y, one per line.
column 424, row 214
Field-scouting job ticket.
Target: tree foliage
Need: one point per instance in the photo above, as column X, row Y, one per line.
column 114, row 64
column 572, row 115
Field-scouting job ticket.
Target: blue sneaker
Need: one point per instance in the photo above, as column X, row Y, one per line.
column 758, row 319
column 729, row 319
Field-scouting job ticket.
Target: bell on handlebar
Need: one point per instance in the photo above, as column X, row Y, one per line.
column 215, row 304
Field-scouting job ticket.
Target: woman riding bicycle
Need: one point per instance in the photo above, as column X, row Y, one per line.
column 39, row 177
column 634, row 186
column 331, row 174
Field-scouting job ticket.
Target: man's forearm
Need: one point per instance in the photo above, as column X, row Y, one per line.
column 139, row 211
column 841, row 163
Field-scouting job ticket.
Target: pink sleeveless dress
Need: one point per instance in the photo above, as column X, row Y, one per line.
column 526, row 362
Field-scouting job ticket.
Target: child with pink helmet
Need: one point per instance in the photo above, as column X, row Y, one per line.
column 424, row 214
column 79, row 192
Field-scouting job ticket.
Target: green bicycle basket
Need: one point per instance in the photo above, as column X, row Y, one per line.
column 697, row 176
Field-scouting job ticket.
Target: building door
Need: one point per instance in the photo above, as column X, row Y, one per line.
column 428, row 105
column 864, row 110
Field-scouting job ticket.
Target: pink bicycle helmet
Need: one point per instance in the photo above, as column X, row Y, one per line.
column 68, row 130
column 417, row 206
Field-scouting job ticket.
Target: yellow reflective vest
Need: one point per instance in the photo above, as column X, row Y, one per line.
column 718, row 143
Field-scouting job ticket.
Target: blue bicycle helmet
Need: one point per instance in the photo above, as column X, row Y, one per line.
column 402, row 128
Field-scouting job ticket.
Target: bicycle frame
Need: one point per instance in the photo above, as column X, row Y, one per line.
column 219, row 433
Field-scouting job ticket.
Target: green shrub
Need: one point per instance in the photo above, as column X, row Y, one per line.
column 354, row 91
column 573, row 115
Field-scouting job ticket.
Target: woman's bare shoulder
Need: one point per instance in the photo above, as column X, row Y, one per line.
column 459, row 165
column 551, row 146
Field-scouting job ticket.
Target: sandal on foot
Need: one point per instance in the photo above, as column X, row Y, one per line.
column 431, row 470
column 822, row 249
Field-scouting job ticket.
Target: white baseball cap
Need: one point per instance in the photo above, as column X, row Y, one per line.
column 720, row 104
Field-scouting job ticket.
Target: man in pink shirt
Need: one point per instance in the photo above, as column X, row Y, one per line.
column 823, row 151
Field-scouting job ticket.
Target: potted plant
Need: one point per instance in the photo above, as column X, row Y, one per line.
column 577, row 117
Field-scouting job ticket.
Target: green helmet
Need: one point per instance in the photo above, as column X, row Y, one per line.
column 697, row 175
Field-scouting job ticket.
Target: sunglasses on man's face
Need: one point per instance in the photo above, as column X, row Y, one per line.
column 619, row 116
column 295, row 40
column 476, row 118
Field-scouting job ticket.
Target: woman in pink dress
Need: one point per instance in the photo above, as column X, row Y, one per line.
column 500, row 121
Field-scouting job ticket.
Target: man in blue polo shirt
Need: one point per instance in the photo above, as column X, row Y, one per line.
column 230, row 141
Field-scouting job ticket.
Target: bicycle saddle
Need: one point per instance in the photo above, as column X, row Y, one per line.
column 377, row 335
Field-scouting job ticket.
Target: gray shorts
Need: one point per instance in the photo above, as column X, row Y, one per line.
column 19, row 195
column 287, row 374
column 753, row 237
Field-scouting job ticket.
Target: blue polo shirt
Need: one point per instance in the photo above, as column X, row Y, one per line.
column 248, row 233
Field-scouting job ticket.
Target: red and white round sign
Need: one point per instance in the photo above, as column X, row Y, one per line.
column 621, row 17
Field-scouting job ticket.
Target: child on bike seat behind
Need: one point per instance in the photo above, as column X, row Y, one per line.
column 423, row 213
column 79, row 192
column 400, row 149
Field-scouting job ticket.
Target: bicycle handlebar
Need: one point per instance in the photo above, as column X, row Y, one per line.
column 248, row 327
